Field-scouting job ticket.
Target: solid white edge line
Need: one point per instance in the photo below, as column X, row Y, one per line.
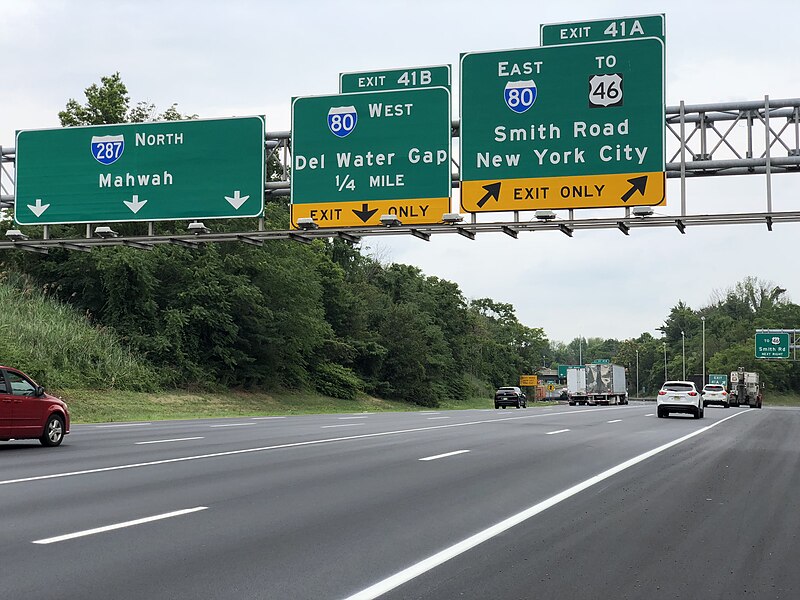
column 232, row 425
column 79, row 534
column 266, row 418
column 341, row 425
column 358, row 417
column 443, row 556
column 186, row 439
column 120, row 425
column 346, row 438
column 438, row 456
column 435, row 418
column 555, row 432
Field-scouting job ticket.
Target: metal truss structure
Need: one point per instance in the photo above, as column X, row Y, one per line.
column 706, row 140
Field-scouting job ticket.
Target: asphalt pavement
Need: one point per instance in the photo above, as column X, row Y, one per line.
column 556, row 502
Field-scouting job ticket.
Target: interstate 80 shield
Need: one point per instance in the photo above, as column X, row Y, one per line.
column 342, row 120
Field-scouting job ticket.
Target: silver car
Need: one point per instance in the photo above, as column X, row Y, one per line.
column 679, row 397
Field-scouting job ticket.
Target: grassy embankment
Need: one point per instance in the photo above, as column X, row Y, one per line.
column 91, row 368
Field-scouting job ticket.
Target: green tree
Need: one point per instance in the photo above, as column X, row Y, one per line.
column 109, row 103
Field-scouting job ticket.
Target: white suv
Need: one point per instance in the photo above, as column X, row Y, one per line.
column 679, row 397
column 715, row 394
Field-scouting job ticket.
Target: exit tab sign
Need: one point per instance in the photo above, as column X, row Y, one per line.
column 603, row 30
column 395, row 79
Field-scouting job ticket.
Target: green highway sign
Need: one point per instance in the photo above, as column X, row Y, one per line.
column 603, row 30
column 601, row 361
column 195, row 169
column 772, row 345
column 395, row 79
column 359, row 156
column 718, row 379
column 571, row 126
column 562, row 370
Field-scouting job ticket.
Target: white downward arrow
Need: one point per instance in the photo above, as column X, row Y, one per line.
column 237, row 199
column 38, row 208
column 134, row 203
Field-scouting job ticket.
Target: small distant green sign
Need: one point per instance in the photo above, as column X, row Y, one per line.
column 601, row 361
column 716, row 379
column 772, row 345
column 562, row 370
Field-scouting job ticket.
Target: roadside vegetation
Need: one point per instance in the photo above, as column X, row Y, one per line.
column 288, row 327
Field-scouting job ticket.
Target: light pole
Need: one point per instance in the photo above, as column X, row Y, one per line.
column 580, row 350
column 683, row 344
column 703, row 321
column 665, row 361
column 637, row 373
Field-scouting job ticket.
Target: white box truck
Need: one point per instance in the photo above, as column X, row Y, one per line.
column 576, row 386
column 605, row 384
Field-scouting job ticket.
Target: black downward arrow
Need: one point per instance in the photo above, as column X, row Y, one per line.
column 492, row 191
column 638, row 184
column 364, row 214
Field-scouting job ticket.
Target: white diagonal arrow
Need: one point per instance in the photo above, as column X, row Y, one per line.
column 38, row 208
column 134, row 204
column 237, row 200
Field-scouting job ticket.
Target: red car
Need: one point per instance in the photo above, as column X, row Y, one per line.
column 27, row 412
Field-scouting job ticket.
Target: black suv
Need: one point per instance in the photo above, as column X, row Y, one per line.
column 510, row 396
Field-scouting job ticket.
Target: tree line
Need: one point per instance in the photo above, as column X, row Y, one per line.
column 332, row 317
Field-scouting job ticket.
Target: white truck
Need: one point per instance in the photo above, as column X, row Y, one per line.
column 745, row 389
column 605, row 384
column 576, row 386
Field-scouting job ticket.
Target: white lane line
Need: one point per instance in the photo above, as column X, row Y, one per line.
column 166, row 441
column 651, row 415
column 121, row 425
column 347, row 438
column 444, row 455
column 79, row 534
column 555, row 432
column 266, row 418
column 346, row 418
column 342, row 425
column 428, row 412
column 615, row 421
column 434, row 418
column 459, row 548
column 233, row 425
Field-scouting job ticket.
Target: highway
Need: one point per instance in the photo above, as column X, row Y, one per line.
column 557, row 502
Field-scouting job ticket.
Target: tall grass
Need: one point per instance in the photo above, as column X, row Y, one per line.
column 59, row 347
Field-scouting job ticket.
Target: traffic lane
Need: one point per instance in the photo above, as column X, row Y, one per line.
column 500, row 442
column 715, row 517
column 510, row 441
column 232, row 441
column 219, row 436
column 343, row 501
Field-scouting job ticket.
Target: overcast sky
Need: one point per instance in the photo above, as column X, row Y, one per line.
column 219, row 59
